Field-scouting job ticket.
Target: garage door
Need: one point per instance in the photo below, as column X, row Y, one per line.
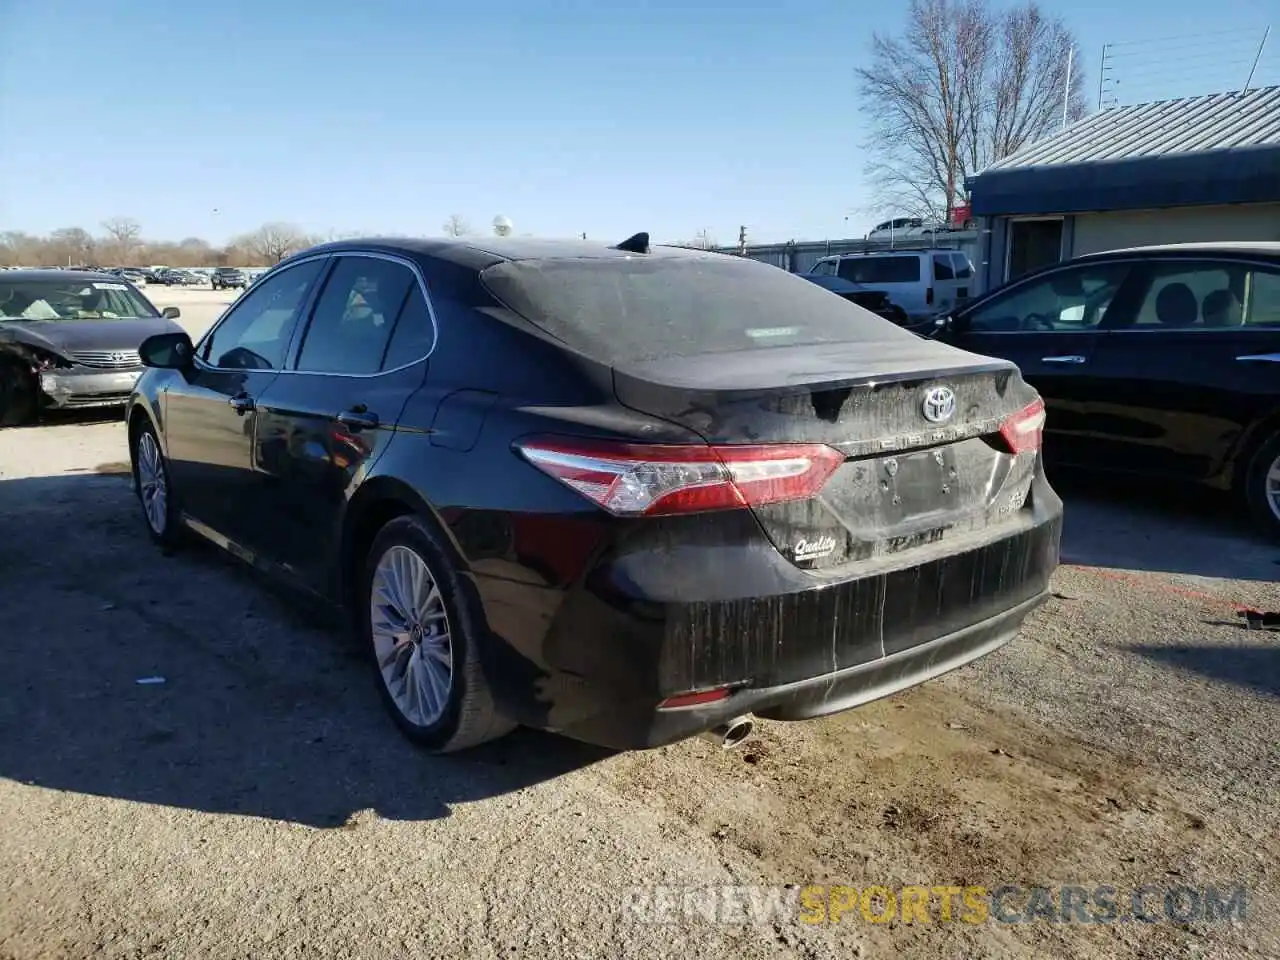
column 1136, row 228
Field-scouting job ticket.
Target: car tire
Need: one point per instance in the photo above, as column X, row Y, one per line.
column 154, row 489
column 1262, row 487
column 19, row 394
column 442, row 617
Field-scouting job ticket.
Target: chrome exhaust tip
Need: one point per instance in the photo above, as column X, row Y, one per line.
column 731, row 734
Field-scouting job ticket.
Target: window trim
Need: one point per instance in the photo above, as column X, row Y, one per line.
column 304, row 311
column 1012, row 289
column 1089, row 259
column 295, row 349
column 1146, row 263
column 308, row 309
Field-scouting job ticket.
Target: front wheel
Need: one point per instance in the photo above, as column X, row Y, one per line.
column 155, row 491
column 1262, row 487
column 422, row 631
column 19, row 395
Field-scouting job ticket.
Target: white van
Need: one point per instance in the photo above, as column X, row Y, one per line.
column 924, row 283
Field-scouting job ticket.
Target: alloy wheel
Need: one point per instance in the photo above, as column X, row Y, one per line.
column 1271, row 487
column 152, row 486
column 411, row 639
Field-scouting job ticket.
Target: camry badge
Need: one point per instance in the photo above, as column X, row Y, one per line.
column 939, row 404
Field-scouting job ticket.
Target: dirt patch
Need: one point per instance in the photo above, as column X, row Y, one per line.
column 931, row 788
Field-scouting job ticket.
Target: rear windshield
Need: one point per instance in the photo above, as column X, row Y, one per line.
column 881, row 269
column 618, row 310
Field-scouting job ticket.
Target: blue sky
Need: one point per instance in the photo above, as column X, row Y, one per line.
column 380, row 116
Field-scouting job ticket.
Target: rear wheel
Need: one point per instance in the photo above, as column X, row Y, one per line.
column 19, row 395
column 421, row 629
column 1262, row 487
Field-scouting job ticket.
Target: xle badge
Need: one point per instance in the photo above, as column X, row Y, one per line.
column 814, row 549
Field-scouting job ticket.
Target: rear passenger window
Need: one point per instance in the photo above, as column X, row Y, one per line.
column 876, row 269
column 942, row 268
column 964, row 269
column 1264, row 299
column 414, row 332
column 1193, row 296
column 352, row 322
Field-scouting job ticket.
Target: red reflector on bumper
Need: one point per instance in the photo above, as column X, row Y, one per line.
column 694, row 699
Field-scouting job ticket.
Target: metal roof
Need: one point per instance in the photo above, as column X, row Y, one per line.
column 1221, row 148
column 1221, row 121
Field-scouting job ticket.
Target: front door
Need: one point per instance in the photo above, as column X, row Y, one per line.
column 1184, row 374
column 211, row 415
column 326, row 421
column 1048, row 326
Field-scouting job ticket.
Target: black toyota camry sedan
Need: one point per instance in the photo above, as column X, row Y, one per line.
column 627, row 493
column 69, row 339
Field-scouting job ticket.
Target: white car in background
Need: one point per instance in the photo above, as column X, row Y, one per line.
column 924, row 283
column 906, row 228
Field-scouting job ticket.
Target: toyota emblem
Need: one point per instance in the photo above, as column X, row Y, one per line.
column 939, row 404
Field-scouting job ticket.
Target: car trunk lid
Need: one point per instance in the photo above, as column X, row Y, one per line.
column 907, row 481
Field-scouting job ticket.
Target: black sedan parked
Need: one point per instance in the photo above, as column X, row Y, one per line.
column 630, row 494
column 1156, row 361
column 70, row 340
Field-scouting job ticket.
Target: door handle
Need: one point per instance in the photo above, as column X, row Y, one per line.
column 1260, row 358
column 241, row 403
column 1070, row 359
column 358, row 418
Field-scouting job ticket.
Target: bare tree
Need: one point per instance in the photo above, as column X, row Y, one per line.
column 272, row 242
column 123, row 237
column 70, row 245
column 964, row 86
column 456, row 226
column 18, row 249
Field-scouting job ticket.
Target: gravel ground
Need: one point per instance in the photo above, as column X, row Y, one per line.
column 258, row 802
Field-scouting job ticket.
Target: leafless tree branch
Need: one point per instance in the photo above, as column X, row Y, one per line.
column 966, row 84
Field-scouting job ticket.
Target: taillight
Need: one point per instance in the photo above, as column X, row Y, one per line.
column 630, row 479
column 1024, row 430
column 928, row 296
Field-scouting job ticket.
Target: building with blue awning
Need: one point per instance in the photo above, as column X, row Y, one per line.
column 1178, row 171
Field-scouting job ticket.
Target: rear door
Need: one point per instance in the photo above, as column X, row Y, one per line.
column 211, row 414
column 1181, row 377
column 325, row 421
column 1048, row 325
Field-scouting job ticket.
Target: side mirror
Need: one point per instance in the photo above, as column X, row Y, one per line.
column 168, row 351
column 171, row 313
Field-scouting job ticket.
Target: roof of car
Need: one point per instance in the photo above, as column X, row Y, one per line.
column 1264, row 248
column 479, row 253
column 923, row 251
column 37, row 273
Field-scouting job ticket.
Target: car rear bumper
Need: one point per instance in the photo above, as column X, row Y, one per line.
column 708, row 603
column 813, row 697
column 83, row 388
